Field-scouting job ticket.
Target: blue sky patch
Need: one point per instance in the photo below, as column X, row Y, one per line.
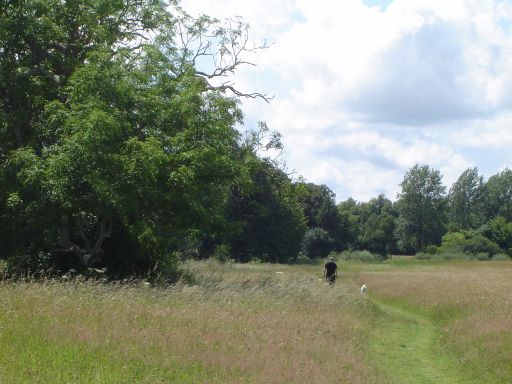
column 506, row 26
column 383, row 4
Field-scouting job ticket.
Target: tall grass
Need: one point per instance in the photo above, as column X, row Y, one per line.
column 253, row 323
column 236, row 324
column 469, row 301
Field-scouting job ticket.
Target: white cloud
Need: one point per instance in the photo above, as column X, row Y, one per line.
column 360, row 179
column 495, row 133
column 363, row 94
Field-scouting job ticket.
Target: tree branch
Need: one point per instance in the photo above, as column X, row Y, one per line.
column 225, row 45
column 84, row 236
column 229, row 87
column 105, row 232
column 64, row 239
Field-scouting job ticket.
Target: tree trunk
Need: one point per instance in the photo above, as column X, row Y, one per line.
column 88, row 256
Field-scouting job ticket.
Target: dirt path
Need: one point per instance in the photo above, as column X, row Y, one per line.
column 405, row 348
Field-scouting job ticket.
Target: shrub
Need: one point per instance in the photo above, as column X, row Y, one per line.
column 480, row 244
column 472, row 244
column 478, row 256
column 42, row 264
column 454, row 255
column 222, row 253
column 423, row 256
column 360, row 256
column 317, row 243
column 167, row 270
column 500, row 257
column 432, row 249
column 500, row 231
column 450, row 255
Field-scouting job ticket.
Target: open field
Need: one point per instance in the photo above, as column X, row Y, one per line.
column 422, row 322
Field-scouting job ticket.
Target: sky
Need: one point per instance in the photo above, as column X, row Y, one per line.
column 365, row 89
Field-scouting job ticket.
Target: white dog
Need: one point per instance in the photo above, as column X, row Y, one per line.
column 364, row 289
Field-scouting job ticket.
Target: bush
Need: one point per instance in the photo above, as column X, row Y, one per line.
column 500, row 257
column 478, row 256
column 3, row 268
column 360, row 256
column 317, row 243
column 222, row 253
column 423, row 256
column 431, row 249
column 453, row 256
column 500, row 231
column 42, row 264
column 304, row 260
column 441, row 256
column 167, row 270
column 474, row 245
column 479, row 245
column 431, row 252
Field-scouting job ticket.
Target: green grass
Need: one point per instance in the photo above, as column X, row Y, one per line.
column 29, row 358
column 38, row 345
column 266, row 323
column 465, row 309
column 406, row 348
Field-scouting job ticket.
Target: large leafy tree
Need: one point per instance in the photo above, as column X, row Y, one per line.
column 350, row 212
column 318, row 204
column 115, row 144
column 498, row 195
column 44, row 41
column 500, row 231
column 263, row 209
column 377, row 226
column 465, row 201
column 421, row 206
column 369, row 225
column 320, row 210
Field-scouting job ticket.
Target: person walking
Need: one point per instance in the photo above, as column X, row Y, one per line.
column 330, row 271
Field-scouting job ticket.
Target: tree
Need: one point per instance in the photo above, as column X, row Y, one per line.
column 465, row 200
column 469, row 243
column 498, row 195
column 317, row 243
column 122, row 147
column 377, row 226
column 225, row 44
column 349, row 211
column 500, row 231
column 421, row 207
column 369, row 225
column 44, row 41
column 320, row 211
column 266, row 215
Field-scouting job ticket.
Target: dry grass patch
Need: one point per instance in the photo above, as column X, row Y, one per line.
column 237, row 324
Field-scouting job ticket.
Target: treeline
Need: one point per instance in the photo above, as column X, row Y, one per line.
column 473, row 219
column 118, row 153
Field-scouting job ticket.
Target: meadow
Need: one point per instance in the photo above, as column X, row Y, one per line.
column 421, row 322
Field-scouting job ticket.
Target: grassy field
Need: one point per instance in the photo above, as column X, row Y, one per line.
column 422, row 322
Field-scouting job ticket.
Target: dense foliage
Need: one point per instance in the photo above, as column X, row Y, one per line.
column 118, row 152
column 114, row 147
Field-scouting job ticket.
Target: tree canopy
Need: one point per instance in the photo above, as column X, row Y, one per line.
column 465, row 200
column 110, row 134
column 421, row 207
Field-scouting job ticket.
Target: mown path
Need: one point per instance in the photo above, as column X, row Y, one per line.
column 405, row 348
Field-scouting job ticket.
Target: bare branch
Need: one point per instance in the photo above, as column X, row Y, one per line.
column 253, row 95
column 226, row 45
